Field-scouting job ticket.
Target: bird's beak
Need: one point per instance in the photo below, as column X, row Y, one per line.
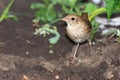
column 63, row 19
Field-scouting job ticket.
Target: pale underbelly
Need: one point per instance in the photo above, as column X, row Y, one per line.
column 79, row 36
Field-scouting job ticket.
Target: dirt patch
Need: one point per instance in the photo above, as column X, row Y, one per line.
column 24, row 56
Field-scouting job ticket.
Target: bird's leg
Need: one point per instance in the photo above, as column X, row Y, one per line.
column 90, row 45
column 73, row 59
column 76, row 49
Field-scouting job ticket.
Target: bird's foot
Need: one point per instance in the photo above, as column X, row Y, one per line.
column 73, row 60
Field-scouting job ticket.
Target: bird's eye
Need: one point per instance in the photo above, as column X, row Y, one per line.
column 72, row 18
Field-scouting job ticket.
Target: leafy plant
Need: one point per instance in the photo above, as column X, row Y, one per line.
column 5, row 14
column 112, row 5
column 45, row 11
column 67, row 6
column 90, row 7
column 46, row 30
column 47, row 14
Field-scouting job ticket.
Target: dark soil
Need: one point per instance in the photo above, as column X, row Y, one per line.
column 24, row 56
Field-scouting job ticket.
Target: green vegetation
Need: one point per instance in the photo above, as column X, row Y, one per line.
column 48, row 29
column 5, row 14
column 112, row 5
column 45, row 11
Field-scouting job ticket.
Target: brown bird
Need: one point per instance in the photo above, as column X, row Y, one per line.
column 78, row 29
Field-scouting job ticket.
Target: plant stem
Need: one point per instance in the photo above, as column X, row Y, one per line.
column 97, row 12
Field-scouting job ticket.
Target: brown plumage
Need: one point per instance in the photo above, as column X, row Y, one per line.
column 78, row 28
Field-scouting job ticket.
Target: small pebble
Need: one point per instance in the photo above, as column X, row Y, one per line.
column 27, row 52
column 51, row 51
column 57, row 77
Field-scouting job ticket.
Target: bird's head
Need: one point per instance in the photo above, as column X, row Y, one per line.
column 72, row 19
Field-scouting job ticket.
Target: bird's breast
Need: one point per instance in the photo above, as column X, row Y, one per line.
column 78, row 35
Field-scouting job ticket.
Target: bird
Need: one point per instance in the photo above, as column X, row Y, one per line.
column 78, row 29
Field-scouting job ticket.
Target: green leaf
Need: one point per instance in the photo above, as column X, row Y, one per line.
column 46, row 30
column 94, row 28
column 90, row 8
column 67, row 2
column 5, row 12
column 54, row 39
column 37, row 5
column 11, row 16
column 111, row 5
column 45, row 12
